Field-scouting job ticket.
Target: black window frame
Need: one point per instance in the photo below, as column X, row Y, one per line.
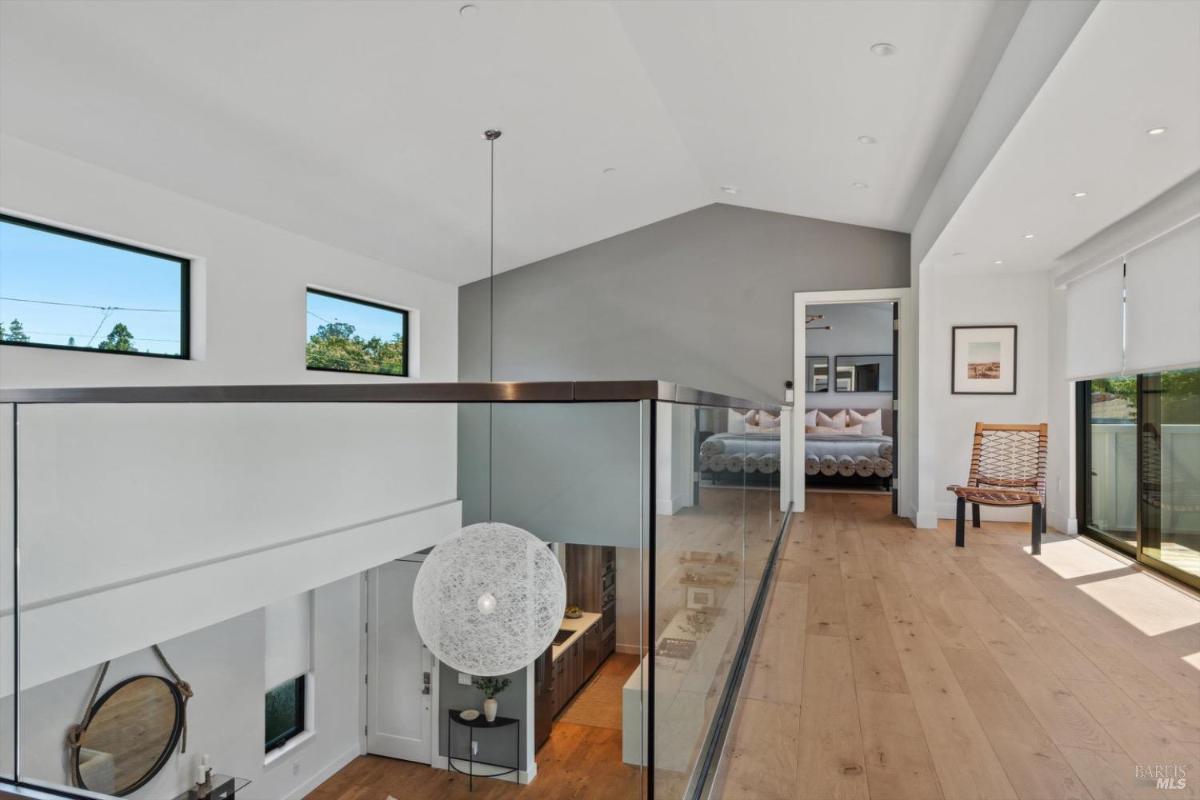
column 185, row 291
column 298, row 722
column 404, row 312
column 1083, row 466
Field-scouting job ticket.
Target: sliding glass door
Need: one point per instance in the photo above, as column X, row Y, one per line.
column 1169, row 444
column 1110, row 455
column 1140, row 467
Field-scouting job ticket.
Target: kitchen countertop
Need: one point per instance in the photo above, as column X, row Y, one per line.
column 580, row 625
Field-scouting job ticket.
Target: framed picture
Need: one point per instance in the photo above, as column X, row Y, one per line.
column 983, row 359
column 699, row 598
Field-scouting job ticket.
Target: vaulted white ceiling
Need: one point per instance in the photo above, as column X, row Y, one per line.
column 358, row 123
column 1134, row 67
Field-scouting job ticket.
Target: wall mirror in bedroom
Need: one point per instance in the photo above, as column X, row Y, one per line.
column 817, row 374
column 870, row 373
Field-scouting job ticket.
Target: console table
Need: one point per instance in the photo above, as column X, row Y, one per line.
column 472, row 726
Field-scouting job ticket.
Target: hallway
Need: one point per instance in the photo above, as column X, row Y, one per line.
column 892, row 665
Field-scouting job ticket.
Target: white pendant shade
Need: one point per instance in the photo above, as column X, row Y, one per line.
column 489, row 600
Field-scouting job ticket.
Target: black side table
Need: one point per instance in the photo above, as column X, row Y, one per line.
column 481, row 723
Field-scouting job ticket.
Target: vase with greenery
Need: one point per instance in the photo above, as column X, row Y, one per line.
column 490, row 688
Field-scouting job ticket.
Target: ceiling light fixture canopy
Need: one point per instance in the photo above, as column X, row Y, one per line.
column 1079, row 194
column 883, row 49
column 468, row 10
column 730, row 189
column 1156, row 131
column 860, row 185
column 867, row 140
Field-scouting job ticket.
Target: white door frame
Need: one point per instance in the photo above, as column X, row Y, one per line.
column 906, row 389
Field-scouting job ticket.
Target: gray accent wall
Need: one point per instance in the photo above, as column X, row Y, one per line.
column 703, row 299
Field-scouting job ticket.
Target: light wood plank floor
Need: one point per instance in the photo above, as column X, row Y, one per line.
column 892, row 665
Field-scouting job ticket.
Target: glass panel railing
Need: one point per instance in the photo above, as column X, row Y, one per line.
column 699, row 581
column 718, row 518
column 267, row 550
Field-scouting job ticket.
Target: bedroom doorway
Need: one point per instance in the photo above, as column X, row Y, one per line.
column 852, row 367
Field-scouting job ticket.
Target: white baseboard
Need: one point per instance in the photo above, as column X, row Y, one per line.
column 323, row 774
column 629, row 649
column 523, row 777
column 926, row 519
column 670, row 506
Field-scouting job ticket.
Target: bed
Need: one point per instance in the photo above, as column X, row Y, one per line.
column 839, row 456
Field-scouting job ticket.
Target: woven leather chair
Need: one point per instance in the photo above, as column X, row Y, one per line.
column 1008, row 468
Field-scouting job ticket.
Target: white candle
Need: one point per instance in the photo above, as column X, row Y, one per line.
column 201, row 773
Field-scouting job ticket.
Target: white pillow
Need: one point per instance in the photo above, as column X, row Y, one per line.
column 872, row 423
column 837, row 420
column 810, row 419
column 767, row 422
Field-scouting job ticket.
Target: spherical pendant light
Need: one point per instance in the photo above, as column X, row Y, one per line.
column 489, row 600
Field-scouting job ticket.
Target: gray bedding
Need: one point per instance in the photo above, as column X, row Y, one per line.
column 825, row 453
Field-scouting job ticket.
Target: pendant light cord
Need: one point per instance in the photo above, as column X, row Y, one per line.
column 491, row 135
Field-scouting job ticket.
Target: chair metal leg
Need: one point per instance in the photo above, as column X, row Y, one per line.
column 1045, row 516
column 960, row 524
column 974, row 515
column 1036, row 544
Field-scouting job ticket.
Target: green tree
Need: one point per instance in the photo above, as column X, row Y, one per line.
column 16, row 332
column 120, row 339
column 335, row 346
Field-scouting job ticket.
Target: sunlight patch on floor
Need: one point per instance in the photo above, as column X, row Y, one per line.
column 1144, row 602
column 1193, row 660
column 1071, row 558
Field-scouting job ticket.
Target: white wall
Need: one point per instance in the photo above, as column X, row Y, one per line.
column 132, row 515
column 224, row 664
column 1021, row 299
column 858, row 329
column 675, row 457
column 248, row 283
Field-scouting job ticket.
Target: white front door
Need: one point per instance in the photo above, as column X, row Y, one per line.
column 400, row 667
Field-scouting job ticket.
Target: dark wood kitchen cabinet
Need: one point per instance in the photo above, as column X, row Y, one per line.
column 575, row 666
column 592, row 585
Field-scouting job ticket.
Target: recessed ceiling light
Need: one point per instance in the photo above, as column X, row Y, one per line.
column 859, row 185
column 729, row 189
column 997, row 262
column 1029, row 236
column 958, row 253
column 883, row 49
column 1079, row 194
column 609, row 170
column 1156, row 131
column 867, row 140
column 468, row 11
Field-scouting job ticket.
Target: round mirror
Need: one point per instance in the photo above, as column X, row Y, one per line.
column 132, row 730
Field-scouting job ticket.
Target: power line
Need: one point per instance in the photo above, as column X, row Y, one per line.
column 135, row 338
column 96, row 308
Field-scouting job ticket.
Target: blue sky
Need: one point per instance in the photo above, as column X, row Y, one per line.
column 368, row 321
column 40, row 266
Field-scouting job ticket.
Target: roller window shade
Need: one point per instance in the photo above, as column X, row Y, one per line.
column 1162, row 297
column 288, row 638
column 1095, row 324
